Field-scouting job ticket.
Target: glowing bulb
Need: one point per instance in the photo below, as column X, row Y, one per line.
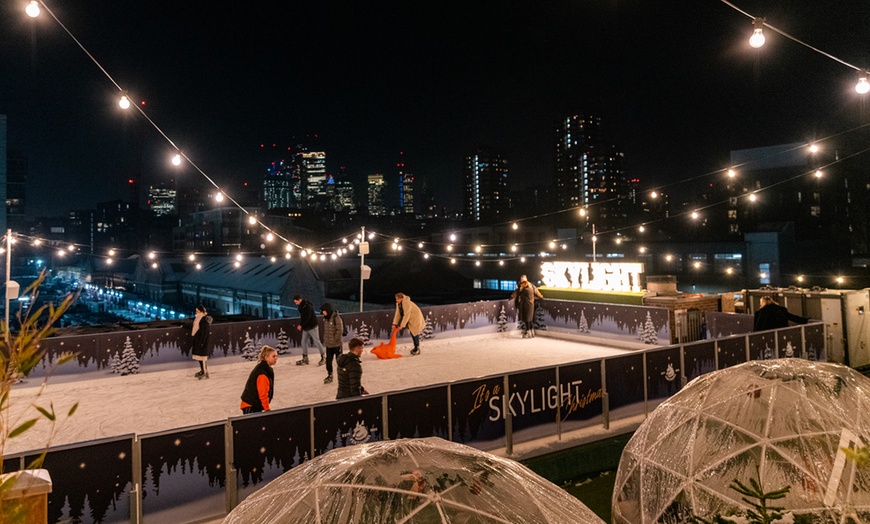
column 449, row 247
column 477, row 263
column 452, row 260
column 729, row 270
column 669, row 258
column 154, row 265
column 420, row 245
column 199, row 266
column 288, row 248
column 453, row 238
column 839, row 280
column 124, row 103
column 477, row 249
column 239, row 257
column 176, row 160
column 61, row 252
column 814, row 148
column 501, row 262
column 732, row 173
column 270, row 237
column 800, row 278
column 111, row 252
column 37, row 242
column 514, row 248
column 757, row 38
column 273, row 259
column 654, row 194
column 219, row 197
column 863, row 86
column 152, row 255
column 595, row 238
column 395, row 246
column 819, row 173
column 237, row 264
column 287, row 256
column 192, row 257
column 515, row 225
column 619, row 241
column 552, row 244
column 252, row 220
column 697, row 265
column 426, row 255
column 694, row 214
column 523, row 260
column 752, row 197
column 322, row 257
column 313, row 256
column 71, row 248
column 583, row 211
column 641, row 229
column 642, row 249
column 32, row 9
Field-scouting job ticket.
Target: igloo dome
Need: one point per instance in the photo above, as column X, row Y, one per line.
column 774, row 428
column 413, row 481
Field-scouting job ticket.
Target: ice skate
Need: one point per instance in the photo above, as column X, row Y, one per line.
column 198, row 374
column 302, row 361
column 322, row 361
column 328, row 379
column 415, row 351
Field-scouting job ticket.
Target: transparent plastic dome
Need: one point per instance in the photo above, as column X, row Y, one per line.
column 412, row 481
column 775, row 428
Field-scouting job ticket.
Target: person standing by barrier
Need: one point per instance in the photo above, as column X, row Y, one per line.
column 525, row 301
column 260, row 387
column 350, row 371
column 200, row 332
column 773, row 316
column 310, row 330
column 409, row 315
column 333, row 330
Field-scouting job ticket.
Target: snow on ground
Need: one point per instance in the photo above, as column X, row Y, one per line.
column 162, row 400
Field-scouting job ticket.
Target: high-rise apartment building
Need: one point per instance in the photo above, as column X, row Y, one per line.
column 486, row 187
column 376, row 188
column 590, row 172
column 312, row 174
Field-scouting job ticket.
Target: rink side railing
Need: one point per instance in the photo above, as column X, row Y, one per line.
column 202, row 472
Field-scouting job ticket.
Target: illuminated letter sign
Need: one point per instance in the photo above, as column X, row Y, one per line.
column 597, row 276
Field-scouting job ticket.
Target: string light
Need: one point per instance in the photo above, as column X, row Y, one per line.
column 732, row 173
column 32, row 9
column 176, row 160
column 124, row 103
column 757, row 38
column 863, row 86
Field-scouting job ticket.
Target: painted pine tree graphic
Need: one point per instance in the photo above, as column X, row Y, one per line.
column 502, row 321
column 115, row 363
column 129, row 364
column 428, row 329
column 584, row 325
column 249, row 351
column 539, row 321
column 283, row 345
column 364, row 333
column 649, row 331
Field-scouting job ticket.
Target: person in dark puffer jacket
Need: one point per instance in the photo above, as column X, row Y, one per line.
column 333, row 328
column 350, row 371
column 260, row 387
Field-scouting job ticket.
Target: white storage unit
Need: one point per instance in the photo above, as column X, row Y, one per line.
column 844, row 312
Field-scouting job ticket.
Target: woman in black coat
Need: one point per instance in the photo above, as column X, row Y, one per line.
column 200, row 332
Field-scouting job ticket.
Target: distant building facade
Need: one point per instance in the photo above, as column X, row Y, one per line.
column 376, row 189
column 161, row 199
column 486, row 187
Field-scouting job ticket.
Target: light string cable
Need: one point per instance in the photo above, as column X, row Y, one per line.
column 159, row 130
column 790, row 37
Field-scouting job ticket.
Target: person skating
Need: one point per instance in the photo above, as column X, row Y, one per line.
column 525, row 301
column 773, row 316
column 260, row 387
column 333, row 327
column 409, row 315
column 310, row 330
column 200, row 332
column 350, row 371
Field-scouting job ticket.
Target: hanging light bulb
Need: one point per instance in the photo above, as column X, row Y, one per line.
column 124, row 103
column 819, row 173
column 731, row 173
column 176, row 160
column 757, row 38
column 252, row 220
column 32, row 9
column 219, row 197
column 863, row 86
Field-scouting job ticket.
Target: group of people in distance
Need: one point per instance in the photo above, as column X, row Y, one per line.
column 260, row 387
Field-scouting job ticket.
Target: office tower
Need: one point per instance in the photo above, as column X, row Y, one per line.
column 486, row 187
column 590, row 171
column 376, row 188
column 312, row 175
column 406, row 187
column 277, row 186
column 161, row 198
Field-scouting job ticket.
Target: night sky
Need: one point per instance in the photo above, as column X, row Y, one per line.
column 675, row 82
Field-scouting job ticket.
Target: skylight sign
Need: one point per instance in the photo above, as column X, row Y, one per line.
column 594, row 276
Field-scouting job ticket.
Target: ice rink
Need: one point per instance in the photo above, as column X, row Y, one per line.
column 162, row 400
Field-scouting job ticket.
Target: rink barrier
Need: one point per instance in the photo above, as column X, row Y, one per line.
column 201, row 472
column 156, row 346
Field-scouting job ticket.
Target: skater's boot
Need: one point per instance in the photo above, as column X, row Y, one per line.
column 302, row 361
column 206, row 375
column 525, row 334
column 416, row 350
column 328, row 379
column 532, row 333
column 322, row 361
column 198, row 374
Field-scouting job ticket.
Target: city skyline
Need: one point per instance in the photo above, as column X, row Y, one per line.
column 435, row 84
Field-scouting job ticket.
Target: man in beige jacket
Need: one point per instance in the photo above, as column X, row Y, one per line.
column 409, row 315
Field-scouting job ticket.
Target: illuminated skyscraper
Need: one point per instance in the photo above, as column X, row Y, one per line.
column 312, row 173
column 376, row 188
column 277, row 185
column 161, row 199
column 486, row 187
column 590, row 172
column 406, row 187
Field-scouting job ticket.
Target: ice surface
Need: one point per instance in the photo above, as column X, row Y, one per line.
column 155, row 401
